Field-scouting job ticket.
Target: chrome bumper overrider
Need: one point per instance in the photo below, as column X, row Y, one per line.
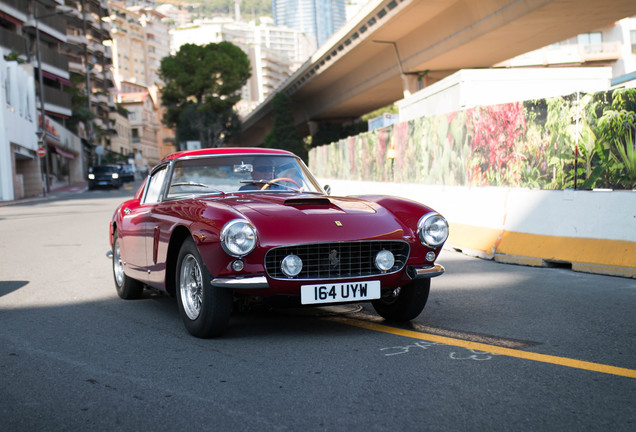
column 255, row 282
column 425, row 272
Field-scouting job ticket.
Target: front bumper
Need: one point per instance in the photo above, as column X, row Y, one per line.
column 253, row 282
column 260, row 282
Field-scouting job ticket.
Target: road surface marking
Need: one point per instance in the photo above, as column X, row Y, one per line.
column 544, row 358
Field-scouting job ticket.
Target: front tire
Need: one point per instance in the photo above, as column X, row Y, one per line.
column 127, row 288
column 408, row 303
column 204, row 309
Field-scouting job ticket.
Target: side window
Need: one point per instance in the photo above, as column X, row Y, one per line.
column 155, row 185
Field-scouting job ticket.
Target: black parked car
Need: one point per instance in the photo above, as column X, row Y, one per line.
column 104, row 176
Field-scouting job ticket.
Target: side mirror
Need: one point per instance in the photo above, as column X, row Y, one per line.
column 327, row 189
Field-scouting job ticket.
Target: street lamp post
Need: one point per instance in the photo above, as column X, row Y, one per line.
column 41, row 133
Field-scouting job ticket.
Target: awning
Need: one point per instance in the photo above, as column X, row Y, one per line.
column 63, row 153
column 57, row 78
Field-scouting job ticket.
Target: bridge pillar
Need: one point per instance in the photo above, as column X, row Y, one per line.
column 313, row 127
column 410, row 84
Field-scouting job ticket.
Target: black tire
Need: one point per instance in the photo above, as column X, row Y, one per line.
column 204, row 309
column 127, row 288
column 408, row 304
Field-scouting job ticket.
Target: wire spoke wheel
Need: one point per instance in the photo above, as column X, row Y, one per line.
column 204, row 309
column 127, row 288
column 118, row 266
column 191, row 287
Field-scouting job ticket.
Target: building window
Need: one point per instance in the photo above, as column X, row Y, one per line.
column 135, row 135
column 633, row 37
column 591, row 42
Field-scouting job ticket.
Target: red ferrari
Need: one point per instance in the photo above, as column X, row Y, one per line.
column 217, row 226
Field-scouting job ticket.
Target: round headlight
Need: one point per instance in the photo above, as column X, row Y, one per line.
column 384, row 260
column 238, row 237
column 291, row 265
column 432, row 230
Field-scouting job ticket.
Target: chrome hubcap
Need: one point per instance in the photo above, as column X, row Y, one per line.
column 118, row 266
column 191, row 287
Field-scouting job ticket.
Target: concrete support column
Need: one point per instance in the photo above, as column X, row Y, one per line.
column 313, row 127
column 409, row 84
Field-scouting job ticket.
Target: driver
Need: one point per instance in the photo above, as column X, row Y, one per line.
column 263, row 169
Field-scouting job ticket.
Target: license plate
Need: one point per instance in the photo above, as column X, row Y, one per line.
column 339, row 292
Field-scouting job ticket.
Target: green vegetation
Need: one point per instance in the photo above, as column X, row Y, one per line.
column 582, row 141
column 202, row 85
column 284, row 134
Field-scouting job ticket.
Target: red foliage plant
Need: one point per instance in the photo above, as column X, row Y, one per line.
column 495, row 130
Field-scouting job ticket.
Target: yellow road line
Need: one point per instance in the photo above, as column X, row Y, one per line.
column 544, row 358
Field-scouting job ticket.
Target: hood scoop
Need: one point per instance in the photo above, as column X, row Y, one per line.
column 308, row 201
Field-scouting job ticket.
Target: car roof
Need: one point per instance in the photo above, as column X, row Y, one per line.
column 225, row 151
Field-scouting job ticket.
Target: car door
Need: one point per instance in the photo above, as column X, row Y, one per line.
column 151, row 201
column 134, row 228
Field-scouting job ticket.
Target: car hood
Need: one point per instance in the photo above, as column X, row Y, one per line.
column 292, row 219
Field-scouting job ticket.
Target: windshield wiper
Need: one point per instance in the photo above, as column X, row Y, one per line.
column 203, row 185
column 268, row 183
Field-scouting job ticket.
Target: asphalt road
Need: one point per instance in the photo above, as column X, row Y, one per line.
column 498, row 347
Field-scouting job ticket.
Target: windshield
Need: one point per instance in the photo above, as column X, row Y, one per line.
column 103, row 169
column 241, row 173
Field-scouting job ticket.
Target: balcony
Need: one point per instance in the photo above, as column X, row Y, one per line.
column 17, row 5
column 57, row 101
column 78, row 41
column 76, row 67
column 600, row 52
column 54, row 26
column 12, row 41
column 54, row 62
column 96, row 48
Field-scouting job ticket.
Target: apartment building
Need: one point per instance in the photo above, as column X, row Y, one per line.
column 140, row 41
column 90, row 64
column 144, row 128
column 59, row 44
column 613, row 46
column 317, row 18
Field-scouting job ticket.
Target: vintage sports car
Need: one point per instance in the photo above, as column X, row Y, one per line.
column 216, row 227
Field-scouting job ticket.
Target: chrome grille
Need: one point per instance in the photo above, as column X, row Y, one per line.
column 337, row 260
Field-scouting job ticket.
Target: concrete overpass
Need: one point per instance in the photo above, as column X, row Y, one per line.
column 390, row 45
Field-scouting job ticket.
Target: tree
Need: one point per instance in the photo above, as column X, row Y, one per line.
column 284, row 134
column 202, row 84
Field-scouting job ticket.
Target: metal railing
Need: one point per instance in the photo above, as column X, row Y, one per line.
column 13, row 41
column 54, row 58
column 19, row 5
column 57, row 97
column 55, row 22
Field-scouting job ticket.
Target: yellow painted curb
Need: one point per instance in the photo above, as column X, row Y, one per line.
column 613, row 257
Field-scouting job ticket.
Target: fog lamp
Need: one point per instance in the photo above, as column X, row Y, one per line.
column 384, row 260
column 430, row 256
column 291, row 265
column 238, row 265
